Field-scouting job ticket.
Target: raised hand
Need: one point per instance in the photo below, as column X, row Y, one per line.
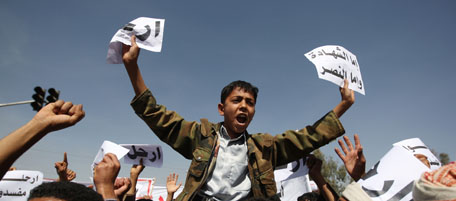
column 136, row 170
column 70, row 175
column 121, row 186
column 64, row 173
column 171, row 181
column 105, row 174
column 59, row 115
column 354, row 159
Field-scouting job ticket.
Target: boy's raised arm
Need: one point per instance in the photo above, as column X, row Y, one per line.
column 130, row 59
column 348, row 98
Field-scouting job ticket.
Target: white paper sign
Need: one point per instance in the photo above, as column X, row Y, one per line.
column 416, row 146
column 149, row 36
column 144, row 187
column 335, row 63
column 152, row 155
column 292, row 181
column 109, row 147
column 392, row 178
column 16, row 185
column 160, row 193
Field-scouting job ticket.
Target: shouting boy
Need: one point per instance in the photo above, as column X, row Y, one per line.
column 228, row 163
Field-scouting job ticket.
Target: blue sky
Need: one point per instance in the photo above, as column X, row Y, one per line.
column 405, row 50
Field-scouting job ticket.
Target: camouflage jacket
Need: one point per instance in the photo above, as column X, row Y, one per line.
column 197, row 141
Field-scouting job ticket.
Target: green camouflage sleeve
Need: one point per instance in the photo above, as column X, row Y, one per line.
column 295, row 144
column 169, row 126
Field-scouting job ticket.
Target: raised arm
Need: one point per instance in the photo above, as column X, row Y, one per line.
column 135, row 171
column 314, row 165
column 171, row 185
column 52, row 117
column 348, row 98
column 130, row 58
column 105, row 174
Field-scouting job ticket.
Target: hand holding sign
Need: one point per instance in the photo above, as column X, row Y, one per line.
column 109, row 147
column 130, row 53
column 348, row 98
column 105, row 175
column 136, row 169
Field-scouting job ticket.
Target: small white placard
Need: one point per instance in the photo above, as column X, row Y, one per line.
column 335, row 63
column 152, row 155
column 392, row 178
column 16, row 185
column 416, row 146
column 292, row 181
column 144, row 187
column 149, row 36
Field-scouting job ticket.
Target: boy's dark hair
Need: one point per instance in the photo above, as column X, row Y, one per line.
column 312, row 196
column 68, row 191
column 241, row 84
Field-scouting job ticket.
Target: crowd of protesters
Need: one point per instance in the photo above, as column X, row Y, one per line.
column 228, row 163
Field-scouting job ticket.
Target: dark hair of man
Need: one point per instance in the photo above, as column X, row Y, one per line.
column 226, row 91
column 312, row 196
column 68, row 191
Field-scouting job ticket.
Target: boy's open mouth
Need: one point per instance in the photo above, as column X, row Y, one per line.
column 242, row 118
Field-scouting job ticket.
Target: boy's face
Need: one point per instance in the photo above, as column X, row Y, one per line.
column 238, row 111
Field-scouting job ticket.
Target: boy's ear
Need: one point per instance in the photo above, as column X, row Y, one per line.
column 221, row 109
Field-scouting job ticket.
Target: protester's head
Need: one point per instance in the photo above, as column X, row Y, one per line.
column 439, row 184
column 245, row 86
column 310, row 196
column 63, row 191
column 261, row 199
column 237, row 105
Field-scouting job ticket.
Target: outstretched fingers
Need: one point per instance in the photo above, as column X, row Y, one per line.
column 339, row 153
column 357, row 142
column 342, row 146
column 349, row 144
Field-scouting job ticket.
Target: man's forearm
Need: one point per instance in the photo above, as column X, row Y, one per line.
column 132, row 190
column 135, row 77
column 170, row 197
column 107, row 191
column 19, row 141
column 325, row 189
column 342, row 107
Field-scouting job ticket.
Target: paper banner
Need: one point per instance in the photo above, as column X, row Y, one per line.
column 152, row 155
column 149, row 36
column 16, row 185
column 392, row 178
column 292, row 181
column 416, row 146
column 335, row 63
